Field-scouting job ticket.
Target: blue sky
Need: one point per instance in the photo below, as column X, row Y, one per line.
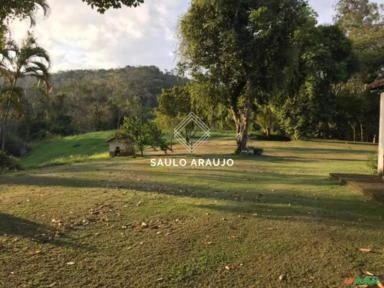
column 79, row 38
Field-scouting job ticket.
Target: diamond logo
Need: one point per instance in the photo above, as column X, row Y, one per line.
column 185, row 132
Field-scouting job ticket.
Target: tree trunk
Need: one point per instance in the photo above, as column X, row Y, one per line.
column 3, row 136
column 118, row 121
column 171, row 142
column 241, row 118
column 362, row 132
column 242, row 125
column 4, row 120
column 354, row 132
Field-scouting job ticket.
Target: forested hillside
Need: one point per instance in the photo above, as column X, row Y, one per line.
column 91, row 100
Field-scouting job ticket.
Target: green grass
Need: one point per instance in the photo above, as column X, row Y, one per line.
column 82, row 225
column 71, row 149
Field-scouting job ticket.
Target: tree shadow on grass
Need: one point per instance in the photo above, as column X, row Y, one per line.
column 297, row 203
column 205, row 185
column 311, row 150
column 280, row 207
column 15, row 226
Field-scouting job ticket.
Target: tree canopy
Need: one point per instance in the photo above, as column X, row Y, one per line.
column 243, row 49
column 363, row 22
column 325, row 58
column 20, row 9
column 104, row 5
column 25, row 8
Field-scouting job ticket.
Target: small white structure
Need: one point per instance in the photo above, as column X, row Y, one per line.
column 379, row 85
column 121, row 147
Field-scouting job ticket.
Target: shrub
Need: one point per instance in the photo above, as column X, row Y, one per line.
column 8, row 163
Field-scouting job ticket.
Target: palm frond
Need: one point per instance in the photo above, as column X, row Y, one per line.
column 29, row 54
column 39, row 4
column 43, row 5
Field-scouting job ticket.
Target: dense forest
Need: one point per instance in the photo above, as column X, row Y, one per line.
column 86, row 100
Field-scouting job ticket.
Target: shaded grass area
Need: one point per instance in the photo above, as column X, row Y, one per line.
column 70, row 149
column 122, row 223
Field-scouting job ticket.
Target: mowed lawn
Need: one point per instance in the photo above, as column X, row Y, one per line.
column 272, row 221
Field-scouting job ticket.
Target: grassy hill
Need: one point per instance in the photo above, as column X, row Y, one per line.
column 71, row 149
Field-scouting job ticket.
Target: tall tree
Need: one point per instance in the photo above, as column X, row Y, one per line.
column 241, row 48
column 174, row 105
column 16, row 63
column 363, row 23
column 353, row 15
column 324, row 58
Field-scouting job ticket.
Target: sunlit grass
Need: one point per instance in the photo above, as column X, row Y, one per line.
column 121, row 223
column 76, row 159
column 66, row 150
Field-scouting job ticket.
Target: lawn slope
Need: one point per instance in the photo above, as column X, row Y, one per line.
column 71, row 149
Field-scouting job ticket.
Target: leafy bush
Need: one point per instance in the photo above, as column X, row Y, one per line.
column 143, row 133
column 8, row 163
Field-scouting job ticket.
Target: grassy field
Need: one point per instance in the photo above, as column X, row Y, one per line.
column 78, row 148
column 71, row 149
column 271, row 221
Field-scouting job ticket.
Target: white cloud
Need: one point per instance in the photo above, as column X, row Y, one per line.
column 77, row 37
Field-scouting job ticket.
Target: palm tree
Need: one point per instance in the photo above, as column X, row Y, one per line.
column 17, row 63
